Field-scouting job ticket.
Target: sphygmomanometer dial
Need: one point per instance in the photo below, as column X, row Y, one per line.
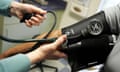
column 95, row 27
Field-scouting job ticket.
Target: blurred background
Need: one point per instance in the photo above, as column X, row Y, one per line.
column 68, row 12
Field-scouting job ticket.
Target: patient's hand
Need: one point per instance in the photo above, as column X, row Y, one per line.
column 24, row 47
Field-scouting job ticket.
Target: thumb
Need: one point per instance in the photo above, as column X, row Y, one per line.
column 38, row 10
column 60, row 40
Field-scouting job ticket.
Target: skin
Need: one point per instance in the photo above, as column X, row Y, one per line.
column 18, row 10
column 48, row 51
column 45, row 51
column 24, row 47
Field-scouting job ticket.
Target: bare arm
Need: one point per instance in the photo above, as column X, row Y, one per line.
column 24, row 47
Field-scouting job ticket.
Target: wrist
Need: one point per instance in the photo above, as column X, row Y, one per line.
column 15, row 7
column 35, row 56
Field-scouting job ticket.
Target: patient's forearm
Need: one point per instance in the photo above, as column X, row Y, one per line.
column 25, row 47
column 21, row 48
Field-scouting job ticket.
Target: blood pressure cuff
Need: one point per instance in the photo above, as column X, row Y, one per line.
column 89, row 41
column 89, row 52
column 90, row 27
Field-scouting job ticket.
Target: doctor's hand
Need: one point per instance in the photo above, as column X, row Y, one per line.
column 48, row 51
column 18, row 9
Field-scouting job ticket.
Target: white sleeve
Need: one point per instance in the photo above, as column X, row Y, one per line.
column 113, row 17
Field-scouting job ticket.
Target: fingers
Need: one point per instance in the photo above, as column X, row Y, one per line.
column 34, row 21
column 57, row 55
column 38, row 18
column 60, row 55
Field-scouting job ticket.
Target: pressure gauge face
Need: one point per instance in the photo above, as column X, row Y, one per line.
column 95, row 27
